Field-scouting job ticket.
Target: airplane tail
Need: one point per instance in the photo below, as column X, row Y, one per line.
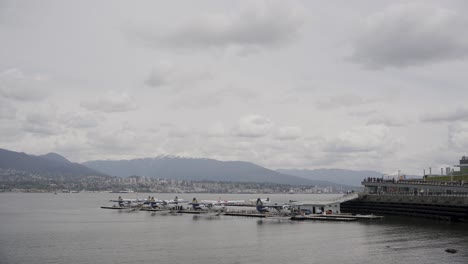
column 259, row 205
column 259, row 202
column 195, row 204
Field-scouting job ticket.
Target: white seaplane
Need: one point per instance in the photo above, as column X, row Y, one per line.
column 211, row 206
column 281, row 209
column 170, row 205
column 128, row 204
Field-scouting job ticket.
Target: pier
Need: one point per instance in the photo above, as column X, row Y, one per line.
column 452, row 208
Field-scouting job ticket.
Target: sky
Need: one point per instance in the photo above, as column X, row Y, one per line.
column 378, row 85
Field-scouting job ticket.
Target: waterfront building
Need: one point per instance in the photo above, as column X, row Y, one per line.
column 433, row 196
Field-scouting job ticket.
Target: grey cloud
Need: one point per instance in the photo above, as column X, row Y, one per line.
column 410, row 35
column 117, row 141
column 343, row 146
column 166, row 74
column 111, row 102
column 41, row 124
column 163, row 74
column 458, row 114
column 216, row 131
column 370, row 138
column 458, row 136
column 11, row 132
column 289, row 133
column 253, row 126
column 75, row 148
column 179, row 132
column 196, row 101
column 156, row 79
column 344, row 100
column 81, row 120
column 203, row 97
column 235, row 91
column 363, row 113
column 16, row 85
column 267, row 25
column 387, row 121
column 7, row 111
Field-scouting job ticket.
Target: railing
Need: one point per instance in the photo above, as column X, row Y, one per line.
column 418, row 194
column 413, row 182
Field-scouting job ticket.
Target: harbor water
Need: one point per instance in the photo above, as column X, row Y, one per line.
column 71, row 228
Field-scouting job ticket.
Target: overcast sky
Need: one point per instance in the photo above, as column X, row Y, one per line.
column 285, row 84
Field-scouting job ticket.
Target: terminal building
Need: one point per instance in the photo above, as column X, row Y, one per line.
column 442, row 196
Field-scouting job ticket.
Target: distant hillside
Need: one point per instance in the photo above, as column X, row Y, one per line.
column 54, row 156
column 346, row 177
column 50, row 164
column 198, row 169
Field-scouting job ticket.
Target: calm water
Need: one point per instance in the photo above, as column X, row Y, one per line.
column 71, row 228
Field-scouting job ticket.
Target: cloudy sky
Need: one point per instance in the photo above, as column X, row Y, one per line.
column 285, row 84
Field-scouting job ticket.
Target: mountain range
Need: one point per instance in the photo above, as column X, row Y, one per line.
column 170, row 167
column 48, row 165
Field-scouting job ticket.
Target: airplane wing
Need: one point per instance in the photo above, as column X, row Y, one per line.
column 222, row 202
column 276, row 206
column 128, row 200
column 211, row 202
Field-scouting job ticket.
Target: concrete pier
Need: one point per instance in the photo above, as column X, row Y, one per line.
column 452, row 208
column 322, row 218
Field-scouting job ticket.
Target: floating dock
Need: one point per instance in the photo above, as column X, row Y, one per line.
column 192, row 212
column 116, row 207
column 246, row 214
column 314, row 217
column 154, row 210
column 368, row 217
column 322, row 218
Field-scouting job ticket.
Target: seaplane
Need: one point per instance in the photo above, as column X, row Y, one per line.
column 121, row 203
column 174, row 204
column 152, row 204
column 207, row 206
column 264, row 201
column 282, row 209
column 224, row 202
